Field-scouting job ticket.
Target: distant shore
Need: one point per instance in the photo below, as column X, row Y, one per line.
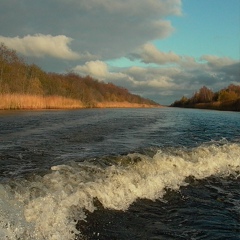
column 34, row 102
column 226, row 99
column 232, row 105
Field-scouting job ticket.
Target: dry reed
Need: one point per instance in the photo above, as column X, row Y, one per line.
column 20, row 101
column 123, row 105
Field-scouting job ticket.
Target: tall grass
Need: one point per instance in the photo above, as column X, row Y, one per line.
column 123, row 105
column 20, row 101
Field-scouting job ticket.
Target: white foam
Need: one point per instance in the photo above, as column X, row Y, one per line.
column 12, row 221
column 49, row 207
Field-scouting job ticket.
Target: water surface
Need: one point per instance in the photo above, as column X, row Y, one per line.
column 119, row 174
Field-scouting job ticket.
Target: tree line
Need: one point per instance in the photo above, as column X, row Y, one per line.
column 28, row 79
column 224, row 99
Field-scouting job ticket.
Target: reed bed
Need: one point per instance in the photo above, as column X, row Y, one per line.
column 123, row 105
column 20, row 101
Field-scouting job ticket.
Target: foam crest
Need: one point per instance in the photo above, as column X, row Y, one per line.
column 50, row 206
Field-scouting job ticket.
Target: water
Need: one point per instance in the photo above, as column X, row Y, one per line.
column 119, row 174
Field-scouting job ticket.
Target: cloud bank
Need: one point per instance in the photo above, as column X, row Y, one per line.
column 107, row 28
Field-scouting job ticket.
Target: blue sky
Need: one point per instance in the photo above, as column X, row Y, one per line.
column 206, row 27
column 159, row 49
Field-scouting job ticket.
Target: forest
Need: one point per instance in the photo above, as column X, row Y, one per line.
column 225, row 99
column 27, row 86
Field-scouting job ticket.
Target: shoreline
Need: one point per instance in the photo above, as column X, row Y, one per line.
column 39, row 102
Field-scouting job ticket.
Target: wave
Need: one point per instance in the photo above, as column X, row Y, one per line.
column 50, row 206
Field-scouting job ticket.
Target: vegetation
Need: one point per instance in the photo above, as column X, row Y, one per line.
column 225, row 99
column 28, row 86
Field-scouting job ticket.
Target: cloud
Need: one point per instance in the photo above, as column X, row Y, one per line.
column 96, row 69
column 160, row 82
column 40, row 45
column 106, row 28
column 132, row 7
column 150, row 54
column 99, row 70
column 215, row 61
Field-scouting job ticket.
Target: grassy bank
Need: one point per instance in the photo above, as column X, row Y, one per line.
column 21, row 101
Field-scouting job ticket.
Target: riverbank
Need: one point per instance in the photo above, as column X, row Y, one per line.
column 232, row 105
column 20, row 101
column 28, row 102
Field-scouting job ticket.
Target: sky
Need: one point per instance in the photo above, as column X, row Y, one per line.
column 158, row 49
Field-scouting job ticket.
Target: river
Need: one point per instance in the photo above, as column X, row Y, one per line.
column 163, row 173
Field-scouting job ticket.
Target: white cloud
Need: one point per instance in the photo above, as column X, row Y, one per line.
column 161, row 82
column 150, row 54
column 99, row 70
column 40, row 45
column 215, row 61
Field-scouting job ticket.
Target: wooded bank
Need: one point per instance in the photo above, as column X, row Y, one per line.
column 24, row 86
column 227, row 99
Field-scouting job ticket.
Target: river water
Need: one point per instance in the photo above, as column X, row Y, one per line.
column 119, row 174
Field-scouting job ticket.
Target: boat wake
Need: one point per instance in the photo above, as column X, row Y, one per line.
column 50, row 206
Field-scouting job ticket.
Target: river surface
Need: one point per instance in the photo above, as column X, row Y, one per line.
column 117, row 174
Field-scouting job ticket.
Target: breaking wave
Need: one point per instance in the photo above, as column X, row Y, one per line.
column 50, row 206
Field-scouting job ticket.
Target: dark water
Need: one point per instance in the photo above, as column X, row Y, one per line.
column 120, row 174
